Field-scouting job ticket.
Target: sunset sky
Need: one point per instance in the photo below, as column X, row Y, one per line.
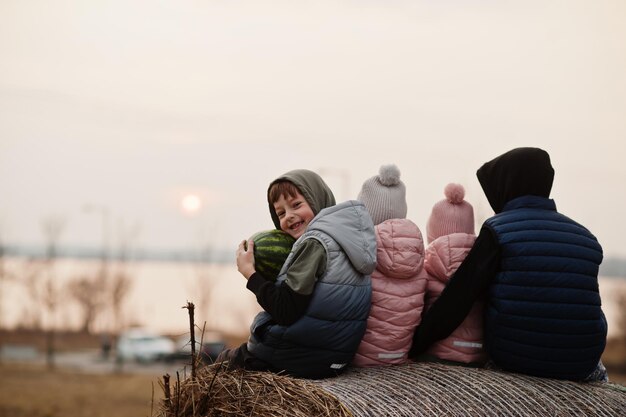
column 114, row 111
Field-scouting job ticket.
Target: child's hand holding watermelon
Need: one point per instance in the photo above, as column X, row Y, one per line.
column 245, row 259
column 265, row 252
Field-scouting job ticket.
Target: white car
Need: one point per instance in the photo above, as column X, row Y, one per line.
column 142, row 345
column 212, row 345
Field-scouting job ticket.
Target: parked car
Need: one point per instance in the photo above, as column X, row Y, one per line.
column 211, row 350
column 142, row 345
column 212, row 345
column 183, row 349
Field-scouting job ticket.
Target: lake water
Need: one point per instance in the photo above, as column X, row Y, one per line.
column 159, row 290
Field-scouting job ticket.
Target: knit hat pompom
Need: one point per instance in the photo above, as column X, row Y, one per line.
column 450, row 215
column 455, row 193
column 384, row 195
column 389, row 175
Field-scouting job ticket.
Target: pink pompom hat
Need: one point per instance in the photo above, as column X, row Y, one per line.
column 451, row 215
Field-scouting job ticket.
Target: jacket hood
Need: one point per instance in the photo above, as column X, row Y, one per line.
column 351, row 226
column 446, row 253
column 311, row 186
column 516, row 173
column 400, row 248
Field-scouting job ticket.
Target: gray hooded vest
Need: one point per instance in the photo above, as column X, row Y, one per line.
column 322, row 342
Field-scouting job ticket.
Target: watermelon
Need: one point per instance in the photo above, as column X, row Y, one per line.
column 271, row 248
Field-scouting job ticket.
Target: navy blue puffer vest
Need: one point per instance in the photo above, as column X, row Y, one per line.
column 544, row 316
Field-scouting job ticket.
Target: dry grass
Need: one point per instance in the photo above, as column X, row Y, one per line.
column 34, row 391
column 219, row 392
column 414, row 389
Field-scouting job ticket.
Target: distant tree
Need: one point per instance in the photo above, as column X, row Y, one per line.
column 5, row 276
column 621, row 320
column 32, row 312
column 120, row 287
column 2, row 278
column 205, row 275
column 38, row 278
column 107, row 289
column 121, row 281
column 52, row 228
column 88, row 293
column 204, row 284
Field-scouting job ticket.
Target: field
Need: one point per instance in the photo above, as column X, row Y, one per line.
column 31, row 390
column 34, row 391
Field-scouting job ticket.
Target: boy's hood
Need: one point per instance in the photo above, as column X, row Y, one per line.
column 351, row 226
column 519, row 172
column 311, row 186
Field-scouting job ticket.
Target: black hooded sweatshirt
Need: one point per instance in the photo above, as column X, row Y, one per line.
column 519, row 172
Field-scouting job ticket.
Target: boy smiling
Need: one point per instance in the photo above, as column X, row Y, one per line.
column 292, row 209
column 315, row 314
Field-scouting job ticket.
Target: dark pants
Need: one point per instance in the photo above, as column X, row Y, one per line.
column 241, row 358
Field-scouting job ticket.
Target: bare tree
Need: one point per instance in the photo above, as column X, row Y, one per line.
column 204, row 280
column 4, row 277
column 88, row 293
column 31, row 316
column 89, row 290
column 52, row 228
column 109, row 286
column 121, row 282
column 39, row 281
column 205, row 283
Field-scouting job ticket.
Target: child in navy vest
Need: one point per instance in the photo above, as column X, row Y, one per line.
column 538, row 270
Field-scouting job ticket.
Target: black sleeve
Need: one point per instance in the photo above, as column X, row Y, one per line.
column 466, row 286
column 287, row 302
column 282, row 303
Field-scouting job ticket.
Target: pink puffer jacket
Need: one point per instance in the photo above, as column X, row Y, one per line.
column 398, row 287
column 443, row 257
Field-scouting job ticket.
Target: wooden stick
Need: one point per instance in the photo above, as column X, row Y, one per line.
column 177, row 392
column 192, row 336
column 166, row 389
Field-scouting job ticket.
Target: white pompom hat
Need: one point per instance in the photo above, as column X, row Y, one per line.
column 384, row 195
column 451, row 215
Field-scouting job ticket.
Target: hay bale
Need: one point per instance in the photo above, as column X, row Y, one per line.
column 220, row 392
column 425, row 388
column 415, row 389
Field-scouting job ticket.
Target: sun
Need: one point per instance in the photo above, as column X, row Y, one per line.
column 190, row 204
